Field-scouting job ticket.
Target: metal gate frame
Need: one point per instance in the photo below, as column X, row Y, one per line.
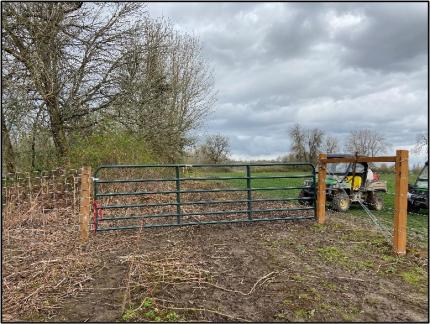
column 98, row 208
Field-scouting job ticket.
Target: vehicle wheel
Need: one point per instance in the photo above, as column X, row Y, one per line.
column 303, row 194
column 413, row 208
column 375, row 202
column 341, row 202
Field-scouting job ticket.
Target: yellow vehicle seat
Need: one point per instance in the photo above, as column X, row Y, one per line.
column 357, row 182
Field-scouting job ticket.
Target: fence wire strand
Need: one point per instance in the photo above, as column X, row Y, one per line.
column 383, row 229
column 386, row 232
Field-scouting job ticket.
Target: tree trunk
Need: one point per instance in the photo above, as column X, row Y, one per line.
column 9, row 154
column 33, row 151
column 57, row 127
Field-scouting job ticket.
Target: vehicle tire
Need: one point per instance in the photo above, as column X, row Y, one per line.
column 376, row 202
column 341, row 202
column 413, row 208
column 303, row 194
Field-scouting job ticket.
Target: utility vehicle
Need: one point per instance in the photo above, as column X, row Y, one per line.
column 418, row 193
column 348, row 183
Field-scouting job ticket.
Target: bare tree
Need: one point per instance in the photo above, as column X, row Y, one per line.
column 366, row 142
column 215, row 149
column 306, row 143
column 331, row 145
column 167, row 88
column 72, row 53
column 78, row 65
column 422, row 144
column 315, row 139
column 298, row 140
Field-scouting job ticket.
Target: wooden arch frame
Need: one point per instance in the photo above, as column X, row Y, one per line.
column 400, row 198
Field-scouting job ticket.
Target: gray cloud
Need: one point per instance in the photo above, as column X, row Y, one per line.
column 338, row 67
column 390, row 37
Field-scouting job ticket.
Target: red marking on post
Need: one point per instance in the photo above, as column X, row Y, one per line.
column 100, row 213
column 95, row 208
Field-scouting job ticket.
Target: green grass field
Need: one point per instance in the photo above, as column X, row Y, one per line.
column 417, row 222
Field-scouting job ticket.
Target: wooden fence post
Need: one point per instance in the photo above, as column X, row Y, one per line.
column 321, row 196
column 401, row 202
column 84, row 210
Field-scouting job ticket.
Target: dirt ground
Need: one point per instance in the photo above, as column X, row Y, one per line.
column 275, row 271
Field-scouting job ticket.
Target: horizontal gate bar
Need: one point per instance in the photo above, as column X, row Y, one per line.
column 137, row 166
column 245, row 220
column 138, row 193
column 166, row 179
column 202, row 178
column 226, row 212
column 202, row 202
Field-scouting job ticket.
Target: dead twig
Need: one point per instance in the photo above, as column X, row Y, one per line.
column 384, row 264
column 60, row 282
column 337, row 277
column 265, row 278
column 34, row 292
column 45, row 261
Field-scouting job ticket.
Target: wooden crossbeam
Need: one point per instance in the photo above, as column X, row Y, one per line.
column 360, row 159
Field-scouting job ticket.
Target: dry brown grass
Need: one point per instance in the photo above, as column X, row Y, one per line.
column 42, row 264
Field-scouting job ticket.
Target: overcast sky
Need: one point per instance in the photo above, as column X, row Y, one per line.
column 338, row 67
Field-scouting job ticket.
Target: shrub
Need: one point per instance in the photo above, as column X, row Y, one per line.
column 104, row 148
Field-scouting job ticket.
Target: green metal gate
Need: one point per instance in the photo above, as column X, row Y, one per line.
column 177, row 194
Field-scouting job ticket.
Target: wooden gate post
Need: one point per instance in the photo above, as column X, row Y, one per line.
column 322, row 172
column 84, row 209
column 401, row 202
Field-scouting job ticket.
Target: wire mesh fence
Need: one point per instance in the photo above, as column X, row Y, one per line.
column 41, row 191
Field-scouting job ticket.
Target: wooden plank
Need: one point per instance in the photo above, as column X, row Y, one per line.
column 321, row 195
column 401, row 202
column 360, row 159
column 84, row 210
